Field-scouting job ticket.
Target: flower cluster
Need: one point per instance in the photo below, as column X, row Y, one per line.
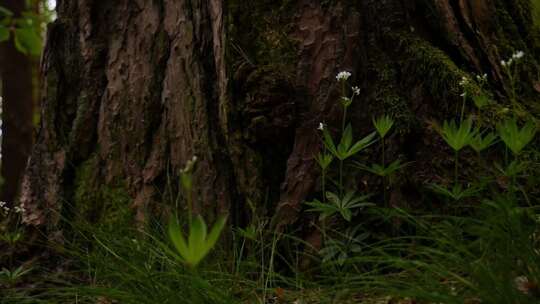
column 342, row 76
column 356, row 90
column 321, row 126
column 3, row 207
column 464, row 81
column 19, row 209
column 515, row 57
column 481, row 78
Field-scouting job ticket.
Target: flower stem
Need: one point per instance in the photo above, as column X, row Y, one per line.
column 456, row 161
column 384, row 177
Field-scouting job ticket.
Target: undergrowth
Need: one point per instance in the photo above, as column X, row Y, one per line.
column 484, row 247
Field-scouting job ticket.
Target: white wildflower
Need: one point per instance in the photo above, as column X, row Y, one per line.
column 463, row 94
column 518, row 55
column 464, row 81
column 3, row 204
column 482, row 77
column 19, row 209
column 503, row 63
column 343, row 75
column 356, row 90
column 321, row 126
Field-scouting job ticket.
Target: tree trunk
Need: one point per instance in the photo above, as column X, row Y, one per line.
column 17, row 109
column 134, row 89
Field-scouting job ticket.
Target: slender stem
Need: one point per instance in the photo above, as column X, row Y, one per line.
column 323, row 222
column 340, row 178
column 324, row 185
column 463, row 109
column 343, row 120
column 514, row 178
column 384, row 177
column 190, row 207
column 456, row 160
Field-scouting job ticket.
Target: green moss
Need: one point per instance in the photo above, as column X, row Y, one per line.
column 261, row 37
column 97, row 202
column 424, row 61
column 389, row 97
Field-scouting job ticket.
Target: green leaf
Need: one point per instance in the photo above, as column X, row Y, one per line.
column 514, row 138
column 329, row 142
column 456, row 193
column 479, row 143
column 346, row 214
column 215, row 232
column 324, row 160
column 197, row 238
column 199, row 243
column 481, row 100
column 4, row 33
column 457, row 136
column 346, row 141
column 175, row 234
column 380, row 170
column 4, row 12
column 27, row 40
column 383, row 125
column 325, row 210
column 361, row 144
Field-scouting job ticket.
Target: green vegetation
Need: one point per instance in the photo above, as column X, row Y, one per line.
column 480, row 243
column 25, row 30
column 485, row 251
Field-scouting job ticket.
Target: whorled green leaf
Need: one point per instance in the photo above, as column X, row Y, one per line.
column 199, row 242
column 457, row 192
column 381, row 170
column 383, row 125
column 457, row 136
column 324, row 160
column 515, row 138
column 480, row 142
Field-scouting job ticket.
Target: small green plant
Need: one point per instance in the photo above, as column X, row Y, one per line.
column 515, row 138
column 199, row 242
column 380, row 170
column 340, row 249
column 346, row 149
column 456, row 193
column 383, row 125
column 457, row 137
column 343, row 206
column 480, row 141
column 11, row 277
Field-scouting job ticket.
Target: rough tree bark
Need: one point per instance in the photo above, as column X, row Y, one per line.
column 17, row 109
column 136, row 88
